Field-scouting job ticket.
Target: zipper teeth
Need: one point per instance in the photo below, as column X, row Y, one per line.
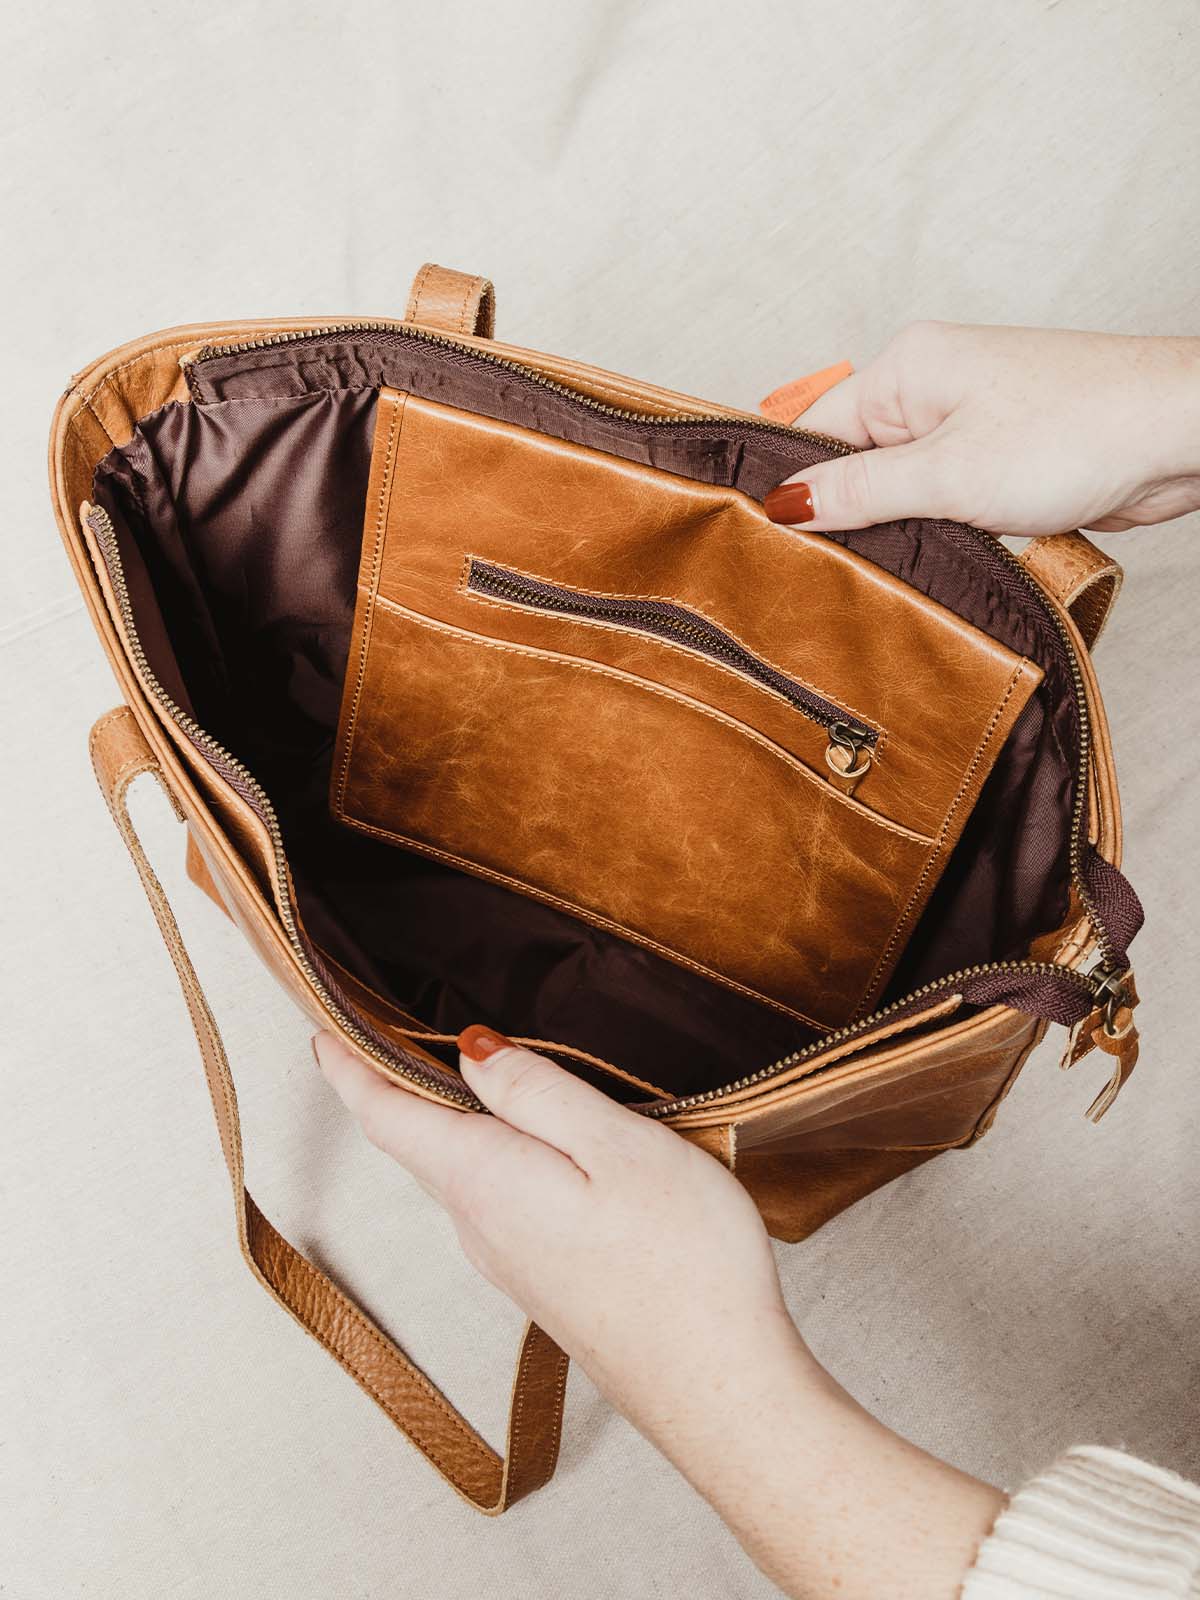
column 1104, row 944
column 663, row 620
column 841, row 1035
column 102, row 526
column 213, row 352
column 837, row 446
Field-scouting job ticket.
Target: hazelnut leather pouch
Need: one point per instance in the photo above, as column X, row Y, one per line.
column 634, row 697
column 489, row 694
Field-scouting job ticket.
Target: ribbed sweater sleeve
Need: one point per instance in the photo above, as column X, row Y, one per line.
column 1098, row 1525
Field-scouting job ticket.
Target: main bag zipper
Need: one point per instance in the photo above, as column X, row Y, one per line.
column 1098, row 984
column 678, row 624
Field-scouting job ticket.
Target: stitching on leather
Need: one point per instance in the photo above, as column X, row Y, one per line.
column 189, row 344
column 987, row 1116
column 516, row 1423
column 665, row 693
column 392, row 1351
column 552, row 373
column 155, row 350
column 395, row 1355
column 132, row 768
column 593, row 917
column 212, row 406
column 577, row 374
column 560, row 1391
column 214, row 1059
column 421, row 1032
column 841, row 1054
column 102, row 722
column 1077, row 561
column 202, row 1019
column 671, row 600
column 914, row 898
column 1089, row 582
column 204, row 1024
column 395, row 424
column 411, row 1024
column 517, row 1414
column 169, row 349
column 462, row 313
column 449, row 1471
column 412, row 311
column 86, row 400
column 1072, row 560
column 556, row 1411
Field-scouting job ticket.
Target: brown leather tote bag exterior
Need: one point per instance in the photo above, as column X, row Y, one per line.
column 878, row 1083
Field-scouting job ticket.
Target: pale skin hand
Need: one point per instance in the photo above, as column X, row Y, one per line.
column 641, row 1255
column 1019, row 430
column 647, row 1262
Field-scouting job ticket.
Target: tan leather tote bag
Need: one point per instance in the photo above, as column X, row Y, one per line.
column 488, row 693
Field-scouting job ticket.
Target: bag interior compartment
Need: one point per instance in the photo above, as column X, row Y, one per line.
column 239, row 521
column 647, row 771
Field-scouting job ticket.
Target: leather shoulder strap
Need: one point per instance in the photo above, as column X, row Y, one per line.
column 1079, row 576
column 452, row 301
column 120, row 753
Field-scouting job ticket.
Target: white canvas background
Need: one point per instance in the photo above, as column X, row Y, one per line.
column 714, row 197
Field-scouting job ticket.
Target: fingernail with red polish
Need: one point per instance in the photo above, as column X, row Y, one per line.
column 790, row 502
column 477, row 1043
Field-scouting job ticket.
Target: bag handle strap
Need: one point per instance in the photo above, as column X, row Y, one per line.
column 453, row 301
column 1078, row 575
column 120, row 753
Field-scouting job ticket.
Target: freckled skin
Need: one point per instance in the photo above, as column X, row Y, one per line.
column 641, row 1255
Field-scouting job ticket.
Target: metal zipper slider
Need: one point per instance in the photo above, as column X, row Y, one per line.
column 1109, row 1027
column 848, row 755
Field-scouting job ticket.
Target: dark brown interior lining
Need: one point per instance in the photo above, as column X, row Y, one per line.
column 239, row 518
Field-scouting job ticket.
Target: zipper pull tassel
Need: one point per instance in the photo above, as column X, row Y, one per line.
column 1110, row 1027
column 848, row 755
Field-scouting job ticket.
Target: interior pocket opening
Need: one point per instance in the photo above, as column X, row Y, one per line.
column 239, row 523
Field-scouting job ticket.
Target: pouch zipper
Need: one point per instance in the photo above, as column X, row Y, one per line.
column 678, row 624
column 1097, row 983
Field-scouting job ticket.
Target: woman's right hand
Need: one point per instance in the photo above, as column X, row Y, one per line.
column 1017, row 430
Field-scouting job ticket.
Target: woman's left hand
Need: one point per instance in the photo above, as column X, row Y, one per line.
column 648, row 1263
column 638, row 1253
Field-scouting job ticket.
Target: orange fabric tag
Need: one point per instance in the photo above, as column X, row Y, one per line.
column 786, row 404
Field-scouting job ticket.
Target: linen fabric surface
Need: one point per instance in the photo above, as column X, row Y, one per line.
column 709, row 197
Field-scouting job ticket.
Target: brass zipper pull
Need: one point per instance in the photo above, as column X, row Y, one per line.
column 848, row 755
column 1110, row 1027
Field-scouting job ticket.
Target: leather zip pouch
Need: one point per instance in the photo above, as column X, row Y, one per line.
column 488, row 693
column 634, row 697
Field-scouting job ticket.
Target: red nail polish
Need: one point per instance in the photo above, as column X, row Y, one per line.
column 790, row 502
column 477, row 1043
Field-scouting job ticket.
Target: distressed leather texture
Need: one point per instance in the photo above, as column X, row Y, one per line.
column 120, row 753
column 612, row 772
column 1081, row 578
column 806, row 1145
column 452, row 301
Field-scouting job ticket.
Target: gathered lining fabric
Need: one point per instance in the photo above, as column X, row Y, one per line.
column 239, row 519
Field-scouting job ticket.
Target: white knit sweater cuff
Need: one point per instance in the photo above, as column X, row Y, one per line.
column 1098, row 1525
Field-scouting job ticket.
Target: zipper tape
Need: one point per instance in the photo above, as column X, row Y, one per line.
column 664, row 619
